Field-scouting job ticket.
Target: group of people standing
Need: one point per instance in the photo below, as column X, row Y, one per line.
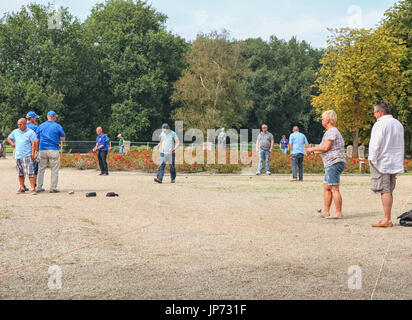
column 386, row 158
column 37, row 146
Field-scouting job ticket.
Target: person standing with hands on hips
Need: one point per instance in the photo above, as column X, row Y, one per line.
column 102, row 146
column 169, row 142
column 297, row 142
column 49, row 135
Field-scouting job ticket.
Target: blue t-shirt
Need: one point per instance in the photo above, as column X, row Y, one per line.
column 102, row 141
column 32, row 126
column 298, row 140
column 23, row 142
column 50, row 133
column 284, row 144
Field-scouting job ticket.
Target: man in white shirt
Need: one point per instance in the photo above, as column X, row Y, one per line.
column 386, row 158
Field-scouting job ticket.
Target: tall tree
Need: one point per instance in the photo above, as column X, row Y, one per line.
column 140, row 61
column 358, row 68
column 398, row 20
column 212, row 91
column 43, row 69
column 280, row 85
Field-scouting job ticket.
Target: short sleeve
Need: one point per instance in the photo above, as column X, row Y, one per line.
column 306, row 140
column 11, row 136
column 331, row 135
column 175, row 136
column 33, row 136
column 61, row 132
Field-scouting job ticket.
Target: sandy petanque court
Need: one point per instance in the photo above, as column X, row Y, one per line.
column 206, row 237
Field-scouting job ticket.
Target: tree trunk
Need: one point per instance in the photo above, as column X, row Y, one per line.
column 356, row 143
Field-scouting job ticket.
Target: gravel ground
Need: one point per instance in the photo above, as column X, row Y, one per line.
column 206, row 237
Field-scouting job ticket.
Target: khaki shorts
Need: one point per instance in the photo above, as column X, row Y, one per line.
column 382, row 183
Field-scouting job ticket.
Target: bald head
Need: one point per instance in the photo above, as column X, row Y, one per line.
column 295, row 129
column 22, row 124
column 99, row 130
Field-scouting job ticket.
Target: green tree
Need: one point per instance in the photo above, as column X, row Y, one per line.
column 281, row 85
column 43, row 69
column 212, row 90
column 359, row 68
column 398, row 20
column 140, row 62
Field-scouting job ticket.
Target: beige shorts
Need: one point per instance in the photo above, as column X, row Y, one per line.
column 382, row 183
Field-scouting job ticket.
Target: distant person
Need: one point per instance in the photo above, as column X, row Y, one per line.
column 284, row 143
column 386, row 158
column 32, row 124
column 297, row 142
column 109, row 143
column 332, row 150
column 264, row 146
column 221, row 139
column 24, row 141
column 49, row 136
column 121, row 143
column 168, row 144
column 102, row 147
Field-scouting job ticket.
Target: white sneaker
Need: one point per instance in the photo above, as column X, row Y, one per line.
column 258, row 173
column 268, row 173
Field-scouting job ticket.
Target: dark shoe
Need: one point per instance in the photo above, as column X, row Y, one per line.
column 54, row 191
column 40, row 190
column 91, row 194
column 112, row 194
column 26, row 189
column 173, row 181
column 157, row 180
column 106, row 174
column 101, row 174
column 294, row 180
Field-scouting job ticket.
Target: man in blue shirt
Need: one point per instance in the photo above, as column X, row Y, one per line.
column 102, row 146
column 24, row 140
column 49, row 135
column 32, row 124
column 297, row 142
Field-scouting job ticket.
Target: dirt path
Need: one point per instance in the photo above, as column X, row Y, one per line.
column 206, row 237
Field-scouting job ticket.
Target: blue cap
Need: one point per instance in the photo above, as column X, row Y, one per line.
column 51, row 114
column 32, row 114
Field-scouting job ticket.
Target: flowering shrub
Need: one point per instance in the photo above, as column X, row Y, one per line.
column 142, row 160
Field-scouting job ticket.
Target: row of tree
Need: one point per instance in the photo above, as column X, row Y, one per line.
column 122, row 69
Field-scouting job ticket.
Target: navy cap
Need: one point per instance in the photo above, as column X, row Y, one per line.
column 32, row 114
column 51, row 114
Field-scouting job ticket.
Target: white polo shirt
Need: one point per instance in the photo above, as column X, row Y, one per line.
column 387, row 145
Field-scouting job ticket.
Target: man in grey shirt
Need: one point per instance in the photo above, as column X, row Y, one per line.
column 264, row 145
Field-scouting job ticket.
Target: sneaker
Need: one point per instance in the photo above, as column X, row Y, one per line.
column 20, row 191
column 173, row 181
column 294, row 180
column 258, row 173
column 54, row 191
column 40, row 190
column 157, row 180
column 33, row 192
column 26, row 189
column 268, row 173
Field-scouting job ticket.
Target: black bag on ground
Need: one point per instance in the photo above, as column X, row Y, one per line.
column 112, row 194
column 91, row 194
column 406, row 219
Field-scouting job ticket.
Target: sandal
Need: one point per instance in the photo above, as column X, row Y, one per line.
column 20, row 191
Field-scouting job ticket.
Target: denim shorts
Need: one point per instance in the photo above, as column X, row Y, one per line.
column 332, row 174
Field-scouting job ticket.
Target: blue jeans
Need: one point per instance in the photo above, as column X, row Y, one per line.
column 264, row 155
column 297, row 161
column 120, row 150
column 332, row 174
column 167, row 158
column 285, row 151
